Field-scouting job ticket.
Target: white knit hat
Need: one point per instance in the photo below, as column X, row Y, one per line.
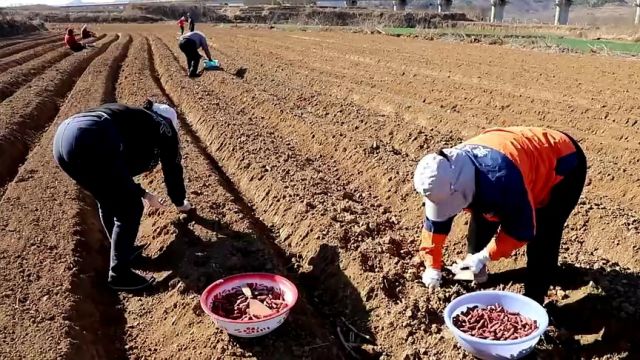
column 167, row 112
column 447, row 183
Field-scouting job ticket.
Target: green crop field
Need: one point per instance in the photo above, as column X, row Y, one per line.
column 582, row 45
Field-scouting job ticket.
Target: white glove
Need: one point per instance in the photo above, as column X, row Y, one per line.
column 474, row 262
column 431, row 278
column 153, row 201
column 186, row 207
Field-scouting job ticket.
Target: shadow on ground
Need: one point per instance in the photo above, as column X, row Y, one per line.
column 593, row 311
column 205, row 250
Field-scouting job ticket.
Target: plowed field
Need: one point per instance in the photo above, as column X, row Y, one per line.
column 303, row 168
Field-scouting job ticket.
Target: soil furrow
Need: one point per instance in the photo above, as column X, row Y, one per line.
column 428, row 96
column 397, row 58
column 13, row 79
column 340, row 234
column 368, row 144
column 30, row 110
column 26, row 56
column 303, row 168
column 8, row 42
column 52, row 253
column 339, row 132
column 223, row 238
column 28, row 45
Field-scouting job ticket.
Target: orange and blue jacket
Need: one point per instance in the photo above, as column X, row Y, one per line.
column 516, row 168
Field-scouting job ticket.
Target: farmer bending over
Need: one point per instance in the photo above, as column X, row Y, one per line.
column 72, row 43
column 520, row 182
column 189, row 45
column 102, row 149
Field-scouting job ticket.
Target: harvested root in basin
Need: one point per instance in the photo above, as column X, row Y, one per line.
column 234, row 304
column 494, row 323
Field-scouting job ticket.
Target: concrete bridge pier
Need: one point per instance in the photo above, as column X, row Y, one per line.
column 637, row 4
column 444, row 5
column 497, row 10
column 399, row 5
column 562, row 11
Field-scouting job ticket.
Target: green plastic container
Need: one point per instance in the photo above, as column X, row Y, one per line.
column 211, row 65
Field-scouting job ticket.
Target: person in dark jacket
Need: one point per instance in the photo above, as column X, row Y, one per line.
column 103, row 149
column 192, row 23
column 189, row 45
column 85, row 33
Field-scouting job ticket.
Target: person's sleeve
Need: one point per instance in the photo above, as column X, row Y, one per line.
column 205, row 45
column 517, row 227
column 432, row 239
column 171, row 161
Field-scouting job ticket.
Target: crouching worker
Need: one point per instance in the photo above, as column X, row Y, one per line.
column 72, row 43
column 520, row 182
column 85, row 33
column 189, row 45
column 102, row 149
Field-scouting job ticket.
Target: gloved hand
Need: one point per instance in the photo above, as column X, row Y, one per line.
column 153, row 201
column 474, row 262
column 185, row 208
column 431, row 278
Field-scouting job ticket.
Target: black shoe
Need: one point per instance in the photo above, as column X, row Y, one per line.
column 129, row 281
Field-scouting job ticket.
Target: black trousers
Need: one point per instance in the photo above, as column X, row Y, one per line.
column 181, row 29
column 77, row 47
column 192, row 25
column 190, row 49
column 544, row 250
column 88, row 150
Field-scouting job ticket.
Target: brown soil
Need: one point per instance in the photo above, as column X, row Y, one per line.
column 303, row 168
column 25, row 114
column 25, row 56
column 222, row 239
column 51, row 288
column 14, row 40
column 14, row 78
column 27, row 45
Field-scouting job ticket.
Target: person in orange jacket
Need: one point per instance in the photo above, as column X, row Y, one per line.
column 521, row 182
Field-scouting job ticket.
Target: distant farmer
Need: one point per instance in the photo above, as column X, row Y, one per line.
column 85, row 33
column 72, row 43
column 189, row 45
column 192, row 23
column 521, row 182
column 181, row 25
column 102, row 149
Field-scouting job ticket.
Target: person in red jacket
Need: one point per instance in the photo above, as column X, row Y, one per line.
column 181, row 23
column 72, row 43
column 521, row 182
